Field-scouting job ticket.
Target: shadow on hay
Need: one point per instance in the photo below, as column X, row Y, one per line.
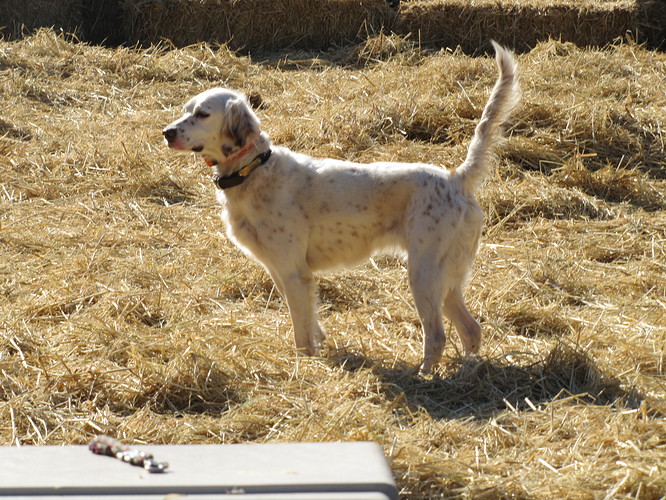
column 200, row 388
column 164, row 192
column 481, row 388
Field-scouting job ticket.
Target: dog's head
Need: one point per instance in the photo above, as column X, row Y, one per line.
column 216, row 123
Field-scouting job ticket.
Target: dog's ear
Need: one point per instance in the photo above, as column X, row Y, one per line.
column 240, row 121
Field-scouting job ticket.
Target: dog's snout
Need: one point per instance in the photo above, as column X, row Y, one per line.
column 170, row 134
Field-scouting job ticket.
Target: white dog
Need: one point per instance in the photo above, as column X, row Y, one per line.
column 297, row 215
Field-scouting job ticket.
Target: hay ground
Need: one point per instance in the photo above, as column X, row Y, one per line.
column 124, row 310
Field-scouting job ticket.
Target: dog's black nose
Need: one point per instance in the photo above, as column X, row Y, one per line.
column 170, row 134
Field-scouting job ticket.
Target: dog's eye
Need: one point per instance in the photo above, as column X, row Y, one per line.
column 201, row 114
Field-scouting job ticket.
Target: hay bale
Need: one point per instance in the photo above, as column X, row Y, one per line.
column 518, row 24
column 651, row 20
column 102, row 22
column 255, row 25
column 20, row 16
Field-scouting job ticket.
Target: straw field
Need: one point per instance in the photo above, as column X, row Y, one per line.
column 125, row 311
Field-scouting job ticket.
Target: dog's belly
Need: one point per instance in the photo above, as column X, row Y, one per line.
column 342, row 243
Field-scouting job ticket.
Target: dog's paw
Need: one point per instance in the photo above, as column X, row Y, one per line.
column 319, row 337
column 473, row 345
column 426, row 368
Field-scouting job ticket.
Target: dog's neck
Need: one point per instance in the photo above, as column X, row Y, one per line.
column 237, row 159
column 238, row 165
column 238, row 154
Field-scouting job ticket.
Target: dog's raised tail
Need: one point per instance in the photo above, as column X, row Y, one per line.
column 489, row 129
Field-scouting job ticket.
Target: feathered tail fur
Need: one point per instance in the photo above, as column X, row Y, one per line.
column 489, row 130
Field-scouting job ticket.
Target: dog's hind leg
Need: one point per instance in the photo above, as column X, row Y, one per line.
column 467, row 327
column 425, row 277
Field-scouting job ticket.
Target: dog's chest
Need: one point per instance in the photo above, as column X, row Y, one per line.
column 259, row 224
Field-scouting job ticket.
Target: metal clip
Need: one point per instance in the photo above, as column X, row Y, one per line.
column 152, row 465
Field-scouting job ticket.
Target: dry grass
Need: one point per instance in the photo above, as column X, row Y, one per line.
column 124, row 310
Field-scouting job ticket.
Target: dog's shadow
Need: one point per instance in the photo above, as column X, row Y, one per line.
column 481, row 388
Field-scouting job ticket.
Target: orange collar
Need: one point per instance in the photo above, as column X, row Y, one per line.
column 235, row 155
column 239, row 153
column 232, row 157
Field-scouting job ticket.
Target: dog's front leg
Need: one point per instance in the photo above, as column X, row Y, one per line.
column 298, row 288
